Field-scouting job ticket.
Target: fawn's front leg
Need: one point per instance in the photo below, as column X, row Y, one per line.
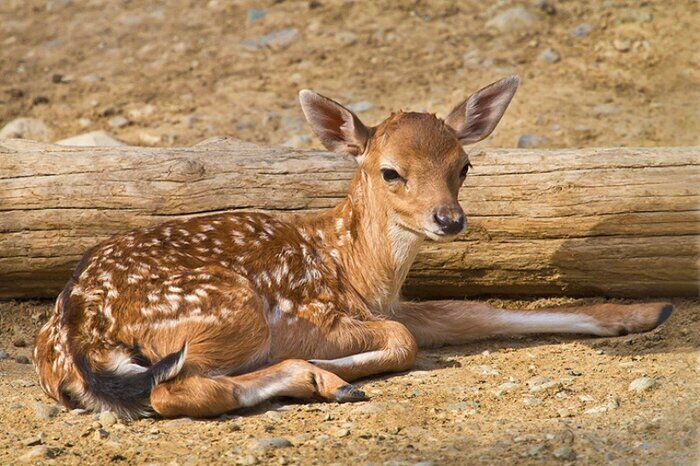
column 356, row 349
column 438, row 323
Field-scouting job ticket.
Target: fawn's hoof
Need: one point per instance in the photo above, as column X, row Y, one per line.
column 643, row 317
column 348, row 393
column 665, row 313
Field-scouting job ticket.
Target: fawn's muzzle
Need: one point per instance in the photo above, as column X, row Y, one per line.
column 450, row 220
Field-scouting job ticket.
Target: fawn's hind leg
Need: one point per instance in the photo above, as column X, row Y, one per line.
column 203, row 396
column 437, row 323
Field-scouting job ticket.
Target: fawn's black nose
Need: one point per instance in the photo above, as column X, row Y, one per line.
column 450, row 220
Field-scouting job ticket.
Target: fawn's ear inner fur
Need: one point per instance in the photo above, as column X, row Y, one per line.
column 339, row 129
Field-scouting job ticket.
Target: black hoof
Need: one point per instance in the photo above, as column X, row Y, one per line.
column 348, row 393
column 666, row 312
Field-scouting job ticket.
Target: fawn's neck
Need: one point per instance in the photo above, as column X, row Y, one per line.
column 372, row 250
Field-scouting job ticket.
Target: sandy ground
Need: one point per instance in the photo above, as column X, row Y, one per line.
column 462, row 405
column 181, row 71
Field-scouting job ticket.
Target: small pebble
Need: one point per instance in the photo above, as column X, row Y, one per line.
column 100, row 434
column 342, row 433
column 22, row 360
column 118, row 122
column 44, row 411
column 346, row 37
column 39, row 451
column 3, row 355
column 27, row 128
column 19, row 342
column 248, row 460
column 582, row 30
column 40, row 100
column 514, row 19
column 31, row 441
column 550, row 56
column 622, row 45
column 255, row 14
column 486, row 370
column 359, row 107
column 107, row 419
column 564, row 453
column 272, row 443
column 531, row 401
column 505, row 387
column 642, row 384
column 528, row 141
column 546, row 6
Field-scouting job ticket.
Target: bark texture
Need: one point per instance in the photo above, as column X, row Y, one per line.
column 614, row 221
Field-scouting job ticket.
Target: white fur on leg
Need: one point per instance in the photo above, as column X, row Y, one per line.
column 514, row 322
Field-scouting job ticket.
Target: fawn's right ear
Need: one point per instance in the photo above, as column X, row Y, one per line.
column 338, row 128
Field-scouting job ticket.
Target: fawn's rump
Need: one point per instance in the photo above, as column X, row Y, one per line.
column 115, row 379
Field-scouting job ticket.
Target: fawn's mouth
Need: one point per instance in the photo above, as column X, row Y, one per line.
column 431, row 235
column 440, row 237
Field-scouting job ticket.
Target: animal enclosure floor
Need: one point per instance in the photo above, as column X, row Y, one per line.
column 544, row 400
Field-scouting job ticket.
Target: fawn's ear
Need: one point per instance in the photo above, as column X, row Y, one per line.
column 476, row 117
column 338, row 128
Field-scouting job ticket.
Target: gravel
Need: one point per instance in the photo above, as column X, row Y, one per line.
column 605, row 109
column 517, row 18
column 611, row 404
column 255, row 14
column 486, row 370
column 19, row 342
column 100, row 434
column 36, row 453
column 505, row 388
column 549, row 56
column 582, row 30
column 107, row 419
column 298, row 141
column 118, row 122
column 45, row 411
column 276, row 40
column 92, row 139
column 362, row 106
column 564, row 453
column 622, row 45
column 271, row 443
column 346, row 37
column 642, row 384
column 27, row 128
column 530, row 141
column 540, row 384
column 32, row 441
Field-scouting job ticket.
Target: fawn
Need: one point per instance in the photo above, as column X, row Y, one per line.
column 202, row 316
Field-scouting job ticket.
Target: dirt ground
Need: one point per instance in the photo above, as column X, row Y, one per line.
column 462, row 405
column 180, row 71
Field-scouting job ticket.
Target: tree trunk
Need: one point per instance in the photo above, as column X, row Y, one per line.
column 617, row 221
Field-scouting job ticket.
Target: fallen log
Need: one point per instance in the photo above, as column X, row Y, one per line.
column 613, row 222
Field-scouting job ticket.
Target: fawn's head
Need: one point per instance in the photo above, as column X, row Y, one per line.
column 413, row 162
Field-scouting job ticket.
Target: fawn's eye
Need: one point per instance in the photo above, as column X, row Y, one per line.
column 390, row 175
column 465, row 170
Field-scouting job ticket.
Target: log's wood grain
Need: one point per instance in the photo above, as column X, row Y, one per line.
column 615, row 221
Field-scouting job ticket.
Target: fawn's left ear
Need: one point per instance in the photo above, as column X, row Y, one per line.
column 476, row 117
column 338, row 128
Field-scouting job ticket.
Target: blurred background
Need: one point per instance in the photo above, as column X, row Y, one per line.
column 165, row 73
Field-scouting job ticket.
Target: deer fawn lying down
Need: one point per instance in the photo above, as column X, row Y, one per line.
column 202, row 316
